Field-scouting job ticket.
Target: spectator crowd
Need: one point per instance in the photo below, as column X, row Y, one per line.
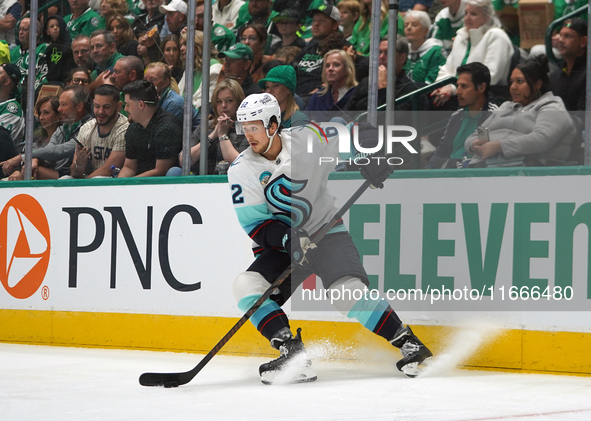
column 110, row 80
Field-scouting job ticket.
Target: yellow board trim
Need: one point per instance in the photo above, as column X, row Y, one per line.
column 512, row 350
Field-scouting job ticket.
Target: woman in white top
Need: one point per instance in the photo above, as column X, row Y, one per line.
column 482, row 40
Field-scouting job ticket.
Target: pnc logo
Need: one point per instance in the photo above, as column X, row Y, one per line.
column 24, row 246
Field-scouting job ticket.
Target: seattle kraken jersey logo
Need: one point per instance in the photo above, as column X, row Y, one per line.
column 293, row 210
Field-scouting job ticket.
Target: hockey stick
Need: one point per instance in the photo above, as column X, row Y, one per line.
column 177, row 379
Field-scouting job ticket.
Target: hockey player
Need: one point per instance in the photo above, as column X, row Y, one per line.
column 279, row 208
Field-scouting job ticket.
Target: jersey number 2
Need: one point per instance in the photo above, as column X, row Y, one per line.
column 237, row 195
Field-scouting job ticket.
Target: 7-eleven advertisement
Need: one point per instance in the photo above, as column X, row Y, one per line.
column 428, row 245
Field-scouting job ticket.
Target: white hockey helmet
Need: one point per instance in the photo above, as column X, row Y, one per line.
column 258, row 107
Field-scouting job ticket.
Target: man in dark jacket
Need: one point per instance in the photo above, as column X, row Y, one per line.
column 473, row 87
column 569, row 81
column 308, row 63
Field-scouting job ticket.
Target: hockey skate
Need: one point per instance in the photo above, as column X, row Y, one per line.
column 414, row 352
column 293, row 364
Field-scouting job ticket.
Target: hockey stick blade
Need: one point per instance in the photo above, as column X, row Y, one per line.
column 177, row 379
column 161, row 379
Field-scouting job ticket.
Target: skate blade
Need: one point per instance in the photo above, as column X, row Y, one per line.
column 412, row 370
column 280, row 377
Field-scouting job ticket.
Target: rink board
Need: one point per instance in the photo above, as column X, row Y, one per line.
column 149, row 264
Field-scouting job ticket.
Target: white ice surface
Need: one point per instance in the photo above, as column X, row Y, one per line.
column 54, row 383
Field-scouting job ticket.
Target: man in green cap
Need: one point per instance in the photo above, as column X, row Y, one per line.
column 237, row 65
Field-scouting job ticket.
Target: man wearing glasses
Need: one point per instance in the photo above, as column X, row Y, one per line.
column 20, row 55
column 154, row 139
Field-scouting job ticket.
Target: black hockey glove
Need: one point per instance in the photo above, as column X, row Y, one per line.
column 299, row 247
column 376, row 171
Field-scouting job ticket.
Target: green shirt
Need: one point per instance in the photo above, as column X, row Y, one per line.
column 500, row 4
column 134, row 7
column 561, row 8
column 86, row 23
column 244, row 16
column 361, row 38
column 298, row 118
column 468, row 126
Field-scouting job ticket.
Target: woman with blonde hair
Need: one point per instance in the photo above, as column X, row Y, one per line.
column 214, row 69
column 338, row 82
column 280, row 82
column 124, row 36
column 483, row 40
column 224, row 143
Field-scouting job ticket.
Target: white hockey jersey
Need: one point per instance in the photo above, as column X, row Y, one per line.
column 292, row 188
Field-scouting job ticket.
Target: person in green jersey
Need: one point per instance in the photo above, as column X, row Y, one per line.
column 11, row 113
column 83, row 20
column 255, row 11
column 19, row 55
column 448, row 21
column 362, row 30
column 425, row 58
